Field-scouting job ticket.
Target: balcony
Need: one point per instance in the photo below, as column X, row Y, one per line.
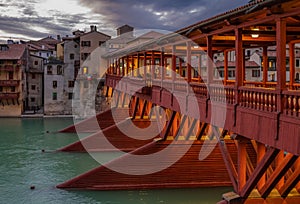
column 9, row 95
column 14, row 67
column 9, row 82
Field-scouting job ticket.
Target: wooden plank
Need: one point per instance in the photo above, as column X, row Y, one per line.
column 259, row 171
column 278, row 173
column 181, row 125
column 201, row 130
column 169, row 125
column 136, row 107
column 290, row 183
column 144, row 108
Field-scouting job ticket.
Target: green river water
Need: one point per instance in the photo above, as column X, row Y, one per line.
column 22, row 165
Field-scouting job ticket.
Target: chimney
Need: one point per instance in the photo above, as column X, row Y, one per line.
column 93, row 28
column 58, row 38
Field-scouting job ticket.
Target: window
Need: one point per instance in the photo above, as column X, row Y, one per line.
column 59, row 70
column 85, row 70
column 231, row 73
column 85, row 56
column 101, row 42
column 33, row 87
column 49, row 69
column 32, row 76
column 70, row 84
column 12, row 89
column 36, row 62
column 72, row 56
column 70, row 96
column 32, row 99
column 54, row 96
column 221, row 73
column 54, row 84
column 255, row 73
column 297, row 62
column 10, row 75
column 1, row 89
column 86, row 43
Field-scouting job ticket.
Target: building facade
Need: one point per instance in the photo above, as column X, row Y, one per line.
column 13, row 63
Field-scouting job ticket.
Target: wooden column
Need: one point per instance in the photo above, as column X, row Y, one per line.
column 173, row 66
column 225, row 67
column 281, row 54
column 265, row 65
column 119, row 67
column 152, row 65
column 210, row 70
column 127, row 65
column 132, row 65
column 123, row 66
column 145, row 66
column 242, row 163
column 199, row 69
column 189, row 61
column 292, row 64
column 239, row 58
column 162, row 63
column 138, row 65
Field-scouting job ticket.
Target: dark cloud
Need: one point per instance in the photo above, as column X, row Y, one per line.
column 142, row 14
column 166, row 14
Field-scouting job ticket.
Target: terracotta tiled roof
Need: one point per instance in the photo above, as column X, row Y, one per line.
column 14, row 52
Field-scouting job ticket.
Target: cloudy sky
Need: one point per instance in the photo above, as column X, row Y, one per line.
column 34, row 19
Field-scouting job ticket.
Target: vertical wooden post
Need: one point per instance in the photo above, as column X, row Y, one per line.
column 239, row 58
column 199, row 68
column 145, row 66
column 292, row 64
column 210, row 70
column 123, row 66
column 138, row 65
column 132, row 65
column 127, row 65
column 152, row 65
column 265, row 65
column 189, row 61
column 225, row 67
column 162, row 63
column 242, row 163
column 281, row 54
column 173, row 66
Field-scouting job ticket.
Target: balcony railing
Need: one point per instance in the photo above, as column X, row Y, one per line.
column 9, row 95
column 9, row 82
column 14, row 67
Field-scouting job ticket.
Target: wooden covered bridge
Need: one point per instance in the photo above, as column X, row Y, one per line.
column 254, row 122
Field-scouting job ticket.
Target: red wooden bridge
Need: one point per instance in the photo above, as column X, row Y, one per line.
column 255, row 123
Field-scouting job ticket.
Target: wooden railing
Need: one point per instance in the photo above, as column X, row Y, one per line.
column 250, row 97
column 9, row 95
column 291, row 105
column 9, row 82
column 258, row 99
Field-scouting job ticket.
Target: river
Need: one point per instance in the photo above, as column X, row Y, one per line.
column 23, row 164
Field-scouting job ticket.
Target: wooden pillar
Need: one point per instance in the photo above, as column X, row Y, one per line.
column 119, row 67
column 261, row 150
column 127, row 65
column 280, row 60
column 281, row 54
column 225, row 67
column 132, row 65
column 292, row 64
column 189, row 61
column 239, row 58
column 199, row 69
column 145, row 66
column 162, row 63
column 138, row 64
column 265, row 65
column 210, row 70
column 242, row 163
column 152, row 65
column 123, row 66
column 173, row 66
